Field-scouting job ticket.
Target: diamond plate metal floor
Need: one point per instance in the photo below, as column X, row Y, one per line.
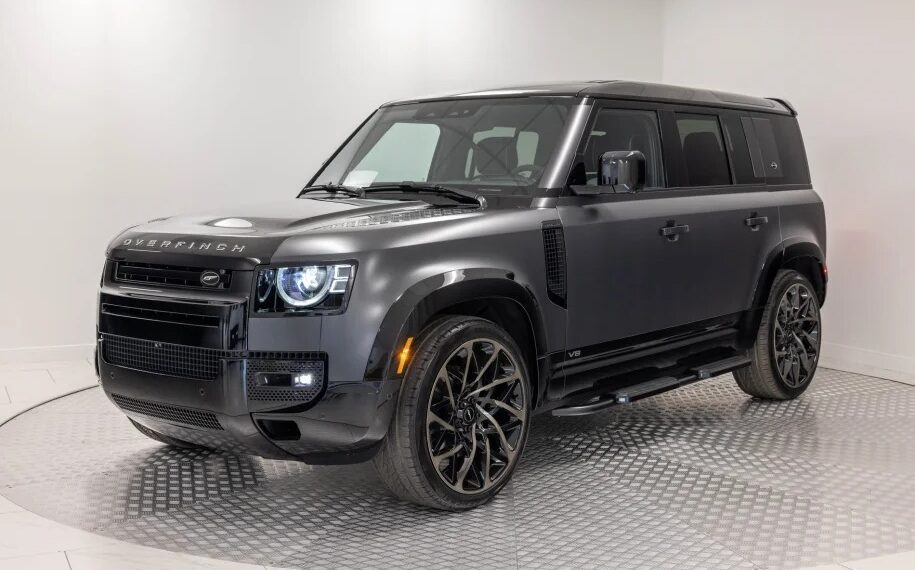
column 702, row 477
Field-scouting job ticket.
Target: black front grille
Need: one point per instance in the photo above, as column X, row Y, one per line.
column 158, row 315
column 554, row 250
column 170, row 275
column 189, row 416
column 162, row 358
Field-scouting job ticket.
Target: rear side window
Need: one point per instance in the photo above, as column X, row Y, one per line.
column 704, row 159
column 776, row 149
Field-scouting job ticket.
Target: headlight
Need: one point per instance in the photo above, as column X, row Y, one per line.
column 303, row 286
column 307, row 288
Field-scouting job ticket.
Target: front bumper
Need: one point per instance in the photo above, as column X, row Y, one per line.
column 344, row 425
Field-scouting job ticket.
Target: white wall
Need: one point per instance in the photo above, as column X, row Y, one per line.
column 847, row 66
column 113, row 112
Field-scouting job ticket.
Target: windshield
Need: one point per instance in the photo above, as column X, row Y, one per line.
column 499, row 144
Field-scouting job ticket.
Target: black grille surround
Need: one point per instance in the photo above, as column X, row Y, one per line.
column 554, row 251
column 168, row 412
column 169, row 275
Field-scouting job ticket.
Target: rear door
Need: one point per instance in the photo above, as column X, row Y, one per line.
column 683, row 251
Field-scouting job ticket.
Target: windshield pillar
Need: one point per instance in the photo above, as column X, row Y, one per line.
column 557, row 171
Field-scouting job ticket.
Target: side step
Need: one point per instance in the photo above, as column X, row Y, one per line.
column 641, row 390
column 720, row 366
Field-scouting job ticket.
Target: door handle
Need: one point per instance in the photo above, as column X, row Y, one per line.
column 754, row 221
column 672, row 232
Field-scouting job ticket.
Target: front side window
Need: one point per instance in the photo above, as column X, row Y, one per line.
column 502, row 145
column 701, row 143
column 621, row 129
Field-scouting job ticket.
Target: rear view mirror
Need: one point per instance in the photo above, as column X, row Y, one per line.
column 622, row 169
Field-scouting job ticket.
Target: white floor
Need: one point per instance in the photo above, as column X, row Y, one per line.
column 32, row 542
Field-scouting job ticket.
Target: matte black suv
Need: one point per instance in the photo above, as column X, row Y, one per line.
column 463, row 262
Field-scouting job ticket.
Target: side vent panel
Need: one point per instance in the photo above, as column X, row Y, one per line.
column 554, row 251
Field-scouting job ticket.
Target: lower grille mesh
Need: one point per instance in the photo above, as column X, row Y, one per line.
column 162, row 358
column 189, row 416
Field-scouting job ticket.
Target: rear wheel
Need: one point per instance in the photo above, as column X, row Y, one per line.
column 162, row 438
column 787, row 348
column 462, row 418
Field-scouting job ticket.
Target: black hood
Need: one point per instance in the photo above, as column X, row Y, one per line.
column 248, row 233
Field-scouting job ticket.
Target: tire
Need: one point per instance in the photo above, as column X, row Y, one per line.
column 464, row 355
column 787, row 347
column 162, row 438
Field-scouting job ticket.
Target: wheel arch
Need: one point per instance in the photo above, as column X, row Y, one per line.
column 804, row 257
column 481, row 292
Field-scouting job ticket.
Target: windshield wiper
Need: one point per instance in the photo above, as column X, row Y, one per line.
column 350, row 191
column 457, row 194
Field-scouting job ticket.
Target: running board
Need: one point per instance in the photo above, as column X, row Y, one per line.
column 720, row 366
column 635, row 392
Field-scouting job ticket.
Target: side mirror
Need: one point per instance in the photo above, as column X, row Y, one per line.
column 624, row 170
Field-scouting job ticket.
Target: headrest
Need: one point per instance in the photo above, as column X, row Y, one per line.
column 705, row 160
column 495, row 156
column 705, row 143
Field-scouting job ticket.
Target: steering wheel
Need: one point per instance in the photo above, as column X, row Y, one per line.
column 533, row 169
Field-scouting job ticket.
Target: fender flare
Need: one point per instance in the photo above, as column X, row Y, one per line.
column 786, row 251
column 409, row 313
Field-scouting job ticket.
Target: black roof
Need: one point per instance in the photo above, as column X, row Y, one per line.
column 628, row 90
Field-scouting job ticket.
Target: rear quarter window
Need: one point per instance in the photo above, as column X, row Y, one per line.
column 776, row 149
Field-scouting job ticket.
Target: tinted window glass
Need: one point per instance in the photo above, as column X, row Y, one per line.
column 743, row 149
column 749, row 129
column 782, row 149
column 772, row 162
column 620, row 129
column 704, row 158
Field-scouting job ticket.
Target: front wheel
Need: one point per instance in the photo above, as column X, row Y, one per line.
column 462, row 418
column 787, row 349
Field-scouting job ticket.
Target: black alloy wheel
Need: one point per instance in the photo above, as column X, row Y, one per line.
column 476, row 416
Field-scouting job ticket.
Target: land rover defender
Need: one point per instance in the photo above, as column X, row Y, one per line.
column 461, row 263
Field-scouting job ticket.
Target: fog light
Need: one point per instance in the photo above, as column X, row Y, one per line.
column 306, row 379
column 287, row 379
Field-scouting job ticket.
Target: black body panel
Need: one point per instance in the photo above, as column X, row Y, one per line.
column 611, row 295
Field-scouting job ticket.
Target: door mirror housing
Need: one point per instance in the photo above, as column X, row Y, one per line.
column 623, row 170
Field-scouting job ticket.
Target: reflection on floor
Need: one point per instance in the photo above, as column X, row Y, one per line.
column 702, row 477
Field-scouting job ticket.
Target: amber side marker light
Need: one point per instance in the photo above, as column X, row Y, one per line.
column 404, row 355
